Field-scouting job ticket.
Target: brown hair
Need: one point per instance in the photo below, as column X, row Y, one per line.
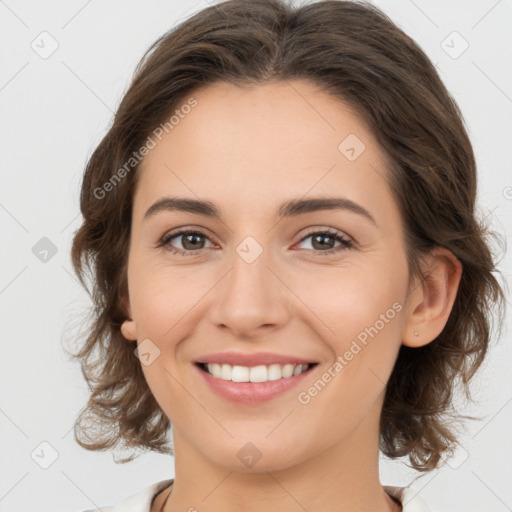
column 354, row 52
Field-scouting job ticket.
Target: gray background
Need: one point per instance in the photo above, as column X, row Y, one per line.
column 55, row 109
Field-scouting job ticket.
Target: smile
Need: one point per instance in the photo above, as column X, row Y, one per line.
column 254, row 384
column 261, row 373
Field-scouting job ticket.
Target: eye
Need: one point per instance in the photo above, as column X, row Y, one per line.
column 324, row 241
column 193, row 241
column 190, row 241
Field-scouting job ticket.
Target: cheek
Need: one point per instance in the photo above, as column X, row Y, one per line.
column 347, row 300
column 364, row 322
column 163, row 298
column 359, row 310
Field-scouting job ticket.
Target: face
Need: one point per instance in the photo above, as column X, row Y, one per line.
column 325, row 286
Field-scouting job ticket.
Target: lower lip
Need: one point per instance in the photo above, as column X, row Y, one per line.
column 251, row 392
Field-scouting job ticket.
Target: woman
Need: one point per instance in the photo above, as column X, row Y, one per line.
column 287, row 267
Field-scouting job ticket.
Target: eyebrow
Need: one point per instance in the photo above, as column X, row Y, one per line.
column 288, row 209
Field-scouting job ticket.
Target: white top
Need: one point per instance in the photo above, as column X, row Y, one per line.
column 142, row 500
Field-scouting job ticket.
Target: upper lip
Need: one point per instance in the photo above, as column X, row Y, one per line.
column 255, row 359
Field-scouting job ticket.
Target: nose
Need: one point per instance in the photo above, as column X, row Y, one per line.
column 251, row 299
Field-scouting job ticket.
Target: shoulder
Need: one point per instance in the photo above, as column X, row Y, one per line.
column 137, row 502
column 409, row 498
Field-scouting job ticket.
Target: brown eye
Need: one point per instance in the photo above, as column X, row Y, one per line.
column 191, row 241
column 324, row 241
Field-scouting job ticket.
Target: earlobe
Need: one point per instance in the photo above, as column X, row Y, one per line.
column 128, row 327
column 431, row 300
column 128, row 330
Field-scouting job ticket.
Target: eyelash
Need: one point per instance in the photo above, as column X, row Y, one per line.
column 345, row 242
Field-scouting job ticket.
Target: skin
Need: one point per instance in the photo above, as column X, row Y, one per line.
column 247, row 150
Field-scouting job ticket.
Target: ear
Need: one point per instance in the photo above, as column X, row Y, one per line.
column 431, row 297
column 128, row 327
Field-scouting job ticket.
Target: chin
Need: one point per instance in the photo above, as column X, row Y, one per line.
column 253, row 457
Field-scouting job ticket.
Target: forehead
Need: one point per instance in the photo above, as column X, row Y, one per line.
column 262, row 143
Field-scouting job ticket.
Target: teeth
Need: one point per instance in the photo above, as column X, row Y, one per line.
column 255, row 373
column 225, row 372
column 297, row 370
column 287, row 370
column 239, row 374
column 258, row 374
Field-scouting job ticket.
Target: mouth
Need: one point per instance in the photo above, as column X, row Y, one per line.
column 252, row 384
column 260, row 373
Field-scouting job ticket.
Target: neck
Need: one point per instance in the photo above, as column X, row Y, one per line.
column 343, row 477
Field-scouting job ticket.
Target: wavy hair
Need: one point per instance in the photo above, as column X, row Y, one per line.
column 355, row 53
